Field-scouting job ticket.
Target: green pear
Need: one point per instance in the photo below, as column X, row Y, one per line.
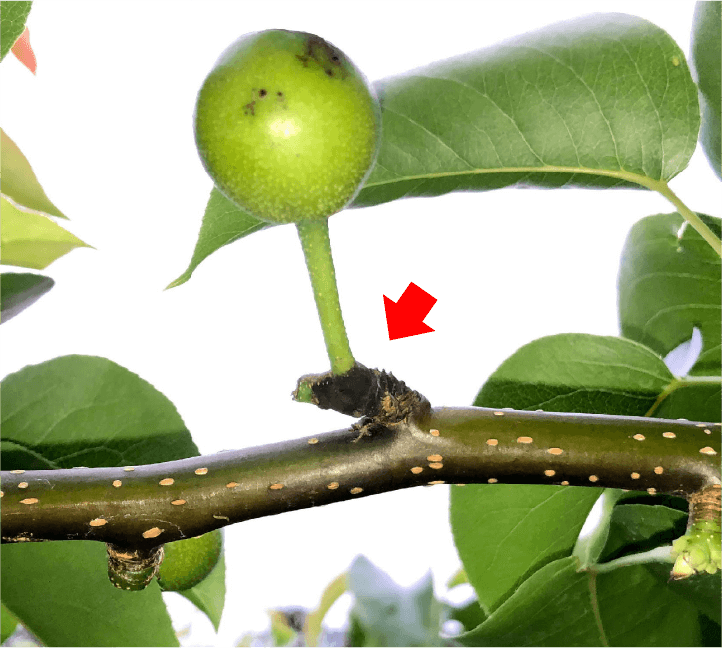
column 187, row 562
column 286, row 126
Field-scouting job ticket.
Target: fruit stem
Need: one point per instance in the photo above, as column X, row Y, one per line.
column 317, row 251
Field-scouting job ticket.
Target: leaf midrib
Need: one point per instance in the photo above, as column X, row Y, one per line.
column 644, row 181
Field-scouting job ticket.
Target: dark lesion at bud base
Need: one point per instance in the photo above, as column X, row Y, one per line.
column 376, row 395
column 133, row 568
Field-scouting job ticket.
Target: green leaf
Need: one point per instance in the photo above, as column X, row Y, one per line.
column 706, row 55
column 636, row 528
column 703, row 591
column 669, row 283
column 32, row 240
column 576, row 372
column 12, row 25
column 61, row 593
column 9, row 623
column 87, row 411
column 694, row 401
column 20, row 290
column 559, row 606
column 223, row 223
column 210, row 594
column 19, row 182
column 83, row 411
column 602, row 101
column 391, row 615
column 504, row 532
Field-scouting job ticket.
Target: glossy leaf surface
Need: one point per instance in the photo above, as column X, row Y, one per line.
column 31, row 240
column 669, row 283
column 80, row 607
column 12, row 25
column 19, row 182
column 20, row 290
column 558, row 606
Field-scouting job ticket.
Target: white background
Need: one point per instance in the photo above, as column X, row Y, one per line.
column 106, row 124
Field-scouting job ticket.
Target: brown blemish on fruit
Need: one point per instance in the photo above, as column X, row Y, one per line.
column 323, row 54
column 98, row 522
column 262, row 92
column 201, row 471
column 168, row 481
column 29, row 500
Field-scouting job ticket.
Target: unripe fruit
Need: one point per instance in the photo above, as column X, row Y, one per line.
column 187, row 562
column 287, row 126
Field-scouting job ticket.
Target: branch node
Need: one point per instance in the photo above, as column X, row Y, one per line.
column 133, row 569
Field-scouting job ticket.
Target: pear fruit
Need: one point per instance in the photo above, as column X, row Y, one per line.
column 286, row 126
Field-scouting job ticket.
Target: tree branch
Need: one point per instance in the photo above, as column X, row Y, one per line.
column 142, row 507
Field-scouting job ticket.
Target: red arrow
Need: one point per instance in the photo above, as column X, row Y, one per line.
column 405, row 317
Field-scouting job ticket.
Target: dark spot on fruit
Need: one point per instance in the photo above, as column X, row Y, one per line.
column 262, row 92
column 250, row 108
column 279, row 94
column 324, row 54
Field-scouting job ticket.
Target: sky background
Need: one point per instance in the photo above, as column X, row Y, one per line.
column 107, row 125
